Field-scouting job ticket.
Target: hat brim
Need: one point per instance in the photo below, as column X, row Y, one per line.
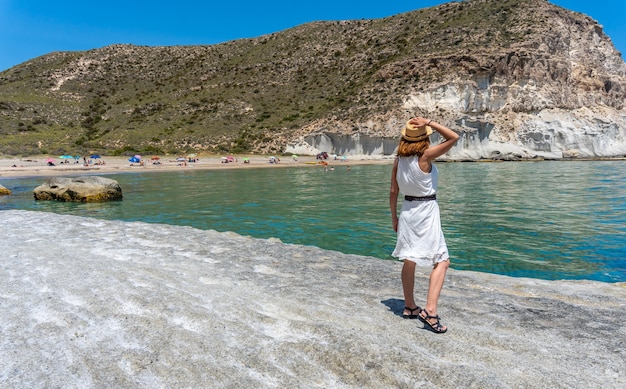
column 429, row 131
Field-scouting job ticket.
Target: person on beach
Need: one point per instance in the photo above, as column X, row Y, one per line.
column 420, row 239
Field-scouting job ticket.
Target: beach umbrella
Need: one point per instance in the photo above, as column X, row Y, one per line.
column 154, row 157
column 137, row 156
column 134, row 159
column 66, row 157
column 50, row 160
column 94, row 156
column 181, row 159
column 192, row 155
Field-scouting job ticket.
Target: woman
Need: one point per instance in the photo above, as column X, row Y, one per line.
column 420, row 238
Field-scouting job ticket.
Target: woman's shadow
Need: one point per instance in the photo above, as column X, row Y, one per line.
column 394, row 305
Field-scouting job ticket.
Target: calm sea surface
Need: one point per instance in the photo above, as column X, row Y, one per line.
column 550, row 220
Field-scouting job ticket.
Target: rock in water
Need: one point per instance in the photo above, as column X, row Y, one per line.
column 4, row 191
column 86, row 189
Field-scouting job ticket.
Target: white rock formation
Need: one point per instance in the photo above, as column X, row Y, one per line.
column 559, row 94
column 87, row 303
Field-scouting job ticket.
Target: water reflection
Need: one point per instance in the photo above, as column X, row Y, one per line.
column 543, row 219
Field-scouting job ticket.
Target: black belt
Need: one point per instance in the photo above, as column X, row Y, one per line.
column 421, row 198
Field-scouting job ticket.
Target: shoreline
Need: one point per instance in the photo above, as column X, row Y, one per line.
column 36, row 166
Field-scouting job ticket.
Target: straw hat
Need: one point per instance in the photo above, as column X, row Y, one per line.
column 413, row 133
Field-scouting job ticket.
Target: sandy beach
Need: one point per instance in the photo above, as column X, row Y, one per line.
column 35, row 166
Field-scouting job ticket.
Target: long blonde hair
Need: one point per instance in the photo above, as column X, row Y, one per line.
column 407, row 149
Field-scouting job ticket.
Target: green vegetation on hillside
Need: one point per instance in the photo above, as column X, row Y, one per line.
column 248, row 95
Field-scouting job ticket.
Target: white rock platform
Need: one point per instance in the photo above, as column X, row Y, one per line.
column 86, row 303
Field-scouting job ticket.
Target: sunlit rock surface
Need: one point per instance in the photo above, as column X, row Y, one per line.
column 92, row 303
column 559, row 93
column 84, row 189
column 4, row 191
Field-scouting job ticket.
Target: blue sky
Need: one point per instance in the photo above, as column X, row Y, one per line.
column 30, row 28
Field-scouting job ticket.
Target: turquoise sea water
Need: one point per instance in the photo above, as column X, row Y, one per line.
column 550, row 220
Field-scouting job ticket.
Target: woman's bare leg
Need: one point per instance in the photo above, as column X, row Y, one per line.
column 408, row 285
column 437, row 276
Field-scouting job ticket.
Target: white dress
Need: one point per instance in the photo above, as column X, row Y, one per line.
column 420, row 237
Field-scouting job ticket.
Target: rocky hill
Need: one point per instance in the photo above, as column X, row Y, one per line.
column 517, row 78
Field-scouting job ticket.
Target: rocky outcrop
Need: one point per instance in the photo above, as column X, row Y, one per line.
column 87, row 189
column 4, row 191
column 133, row 305
column 560, row 93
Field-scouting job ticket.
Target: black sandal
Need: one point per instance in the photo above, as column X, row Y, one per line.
column 435, row 327
column 411, row 315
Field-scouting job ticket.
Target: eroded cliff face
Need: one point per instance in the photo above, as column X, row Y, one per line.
column 559, row 96
column 516, row 78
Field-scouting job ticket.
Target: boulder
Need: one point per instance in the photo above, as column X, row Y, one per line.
column 4, row 191
column 87, row 189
